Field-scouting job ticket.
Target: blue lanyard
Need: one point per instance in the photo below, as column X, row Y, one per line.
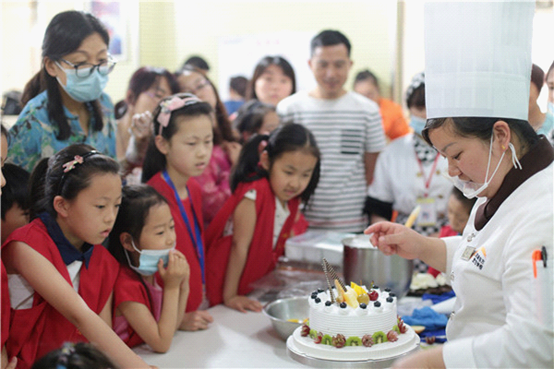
column 198, row 244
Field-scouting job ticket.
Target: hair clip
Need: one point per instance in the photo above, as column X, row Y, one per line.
column 71, row 164
column 416, row 81
column 261, row 146
column 66, row 351
column 78, row 159
column 170, row 105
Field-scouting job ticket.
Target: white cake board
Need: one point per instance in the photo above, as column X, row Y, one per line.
column 295, row 353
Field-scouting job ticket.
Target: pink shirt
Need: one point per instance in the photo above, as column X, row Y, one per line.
column 215, row 184
column 121, row 325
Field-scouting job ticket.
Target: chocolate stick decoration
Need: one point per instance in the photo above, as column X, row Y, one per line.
column 324, row 264
column 333, row 273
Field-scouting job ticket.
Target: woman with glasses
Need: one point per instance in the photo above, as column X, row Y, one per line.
column 215, row 179
column 64, row 102
column 147, row 87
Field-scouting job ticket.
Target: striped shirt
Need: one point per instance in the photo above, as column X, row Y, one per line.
column 345, row 129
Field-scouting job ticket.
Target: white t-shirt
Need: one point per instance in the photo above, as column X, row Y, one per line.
column 281, row 215
column 345, row 129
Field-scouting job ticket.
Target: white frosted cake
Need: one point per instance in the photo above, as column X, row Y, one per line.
column 361, row 325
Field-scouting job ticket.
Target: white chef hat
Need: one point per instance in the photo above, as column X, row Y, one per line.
column 478, row 58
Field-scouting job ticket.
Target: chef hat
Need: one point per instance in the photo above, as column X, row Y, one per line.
column 478, row 58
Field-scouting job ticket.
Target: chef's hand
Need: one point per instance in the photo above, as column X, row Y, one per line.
column 393, row 238
column 430, row 358
column 243, row 303
column 196, row 320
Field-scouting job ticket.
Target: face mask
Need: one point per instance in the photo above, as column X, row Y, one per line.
column 84, row 89
column 548, row 124
column 148, row 260
column 471, row 189
column 417, row 124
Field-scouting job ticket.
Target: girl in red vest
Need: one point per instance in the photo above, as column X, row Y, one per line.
column 5, row 312
column 181, row 149
column 143, row 241
column 274, row 175
column 61, row 278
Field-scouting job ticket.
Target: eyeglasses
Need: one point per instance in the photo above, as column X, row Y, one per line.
column 198, row 87
column 83, row 70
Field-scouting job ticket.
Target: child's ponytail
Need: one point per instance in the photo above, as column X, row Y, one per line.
column 248, row 168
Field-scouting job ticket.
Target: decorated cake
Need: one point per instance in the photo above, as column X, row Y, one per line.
column 353, row 323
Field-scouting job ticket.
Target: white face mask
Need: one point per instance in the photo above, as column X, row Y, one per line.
column 471, row 189
column 148, row 260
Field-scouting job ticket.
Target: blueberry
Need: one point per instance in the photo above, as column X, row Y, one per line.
column 392, row 294
column 314, row 296
column 375, row 287
column 377, row 304
column 327, row 303
column 343, row 305
column 319, row 290
column 363, row 305
column 317, row 300
column 387, row 289
column 389, row 299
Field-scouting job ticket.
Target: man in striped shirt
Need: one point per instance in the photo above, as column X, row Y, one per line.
column 348, row 130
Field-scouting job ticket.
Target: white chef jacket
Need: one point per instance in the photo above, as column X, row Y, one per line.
column 396, row 179
column 495, row 323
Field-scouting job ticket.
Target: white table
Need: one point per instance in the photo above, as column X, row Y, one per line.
column 233, row 340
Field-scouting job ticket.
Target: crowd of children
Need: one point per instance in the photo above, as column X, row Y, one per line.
column 91, row 255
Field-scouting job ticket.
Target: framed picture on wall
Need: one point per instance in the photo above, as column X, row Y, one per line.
column 113, row 16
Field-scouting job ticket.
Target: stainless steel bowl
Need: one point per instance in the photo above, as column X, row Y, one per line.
column 364, row 263
column 280, row 311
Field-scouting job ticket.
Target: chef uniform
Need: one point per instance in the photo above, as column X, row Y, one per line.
column 478, row 63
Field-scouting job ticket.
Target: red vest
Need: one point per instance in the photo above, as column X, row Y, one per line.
column 262, row 257
column 184, row 242
column 130, row 288
column 36, row 331
column 5, row 305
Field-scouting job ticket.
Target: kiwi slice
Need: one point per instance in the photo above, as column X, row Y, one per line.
column 379, row 337
column 396, row 329
column 327, row 340
column 353, row 341
column 313, row 334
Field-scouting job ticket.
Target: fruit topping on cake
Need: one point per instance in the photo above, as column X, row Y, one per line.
column 379, row 337
column 367, row 340
column 353, row 341
column 392, row 336
column 339, row 341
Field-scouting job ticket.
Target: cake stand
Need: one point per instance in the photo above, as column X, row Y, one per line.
column 296, row 354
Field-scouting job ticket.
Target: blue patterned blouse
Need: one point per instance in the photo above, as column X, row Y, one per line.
column 33, row 137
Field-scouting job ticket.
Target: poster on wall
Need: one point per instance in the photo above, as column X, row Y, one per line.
column 113, row 17
column 239, row 55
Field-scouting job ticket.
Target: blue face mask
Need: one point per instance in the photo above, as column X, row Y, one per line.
column 148, row 260
column 417, row 124
column 548, row 124
column 84, row 89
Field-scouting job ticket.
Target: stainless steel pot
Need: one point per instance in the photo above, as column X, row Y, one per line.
column 364, row 263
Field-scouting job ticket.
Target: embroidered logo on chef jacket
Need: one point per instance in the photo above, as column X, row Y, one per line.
column 479, row 257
